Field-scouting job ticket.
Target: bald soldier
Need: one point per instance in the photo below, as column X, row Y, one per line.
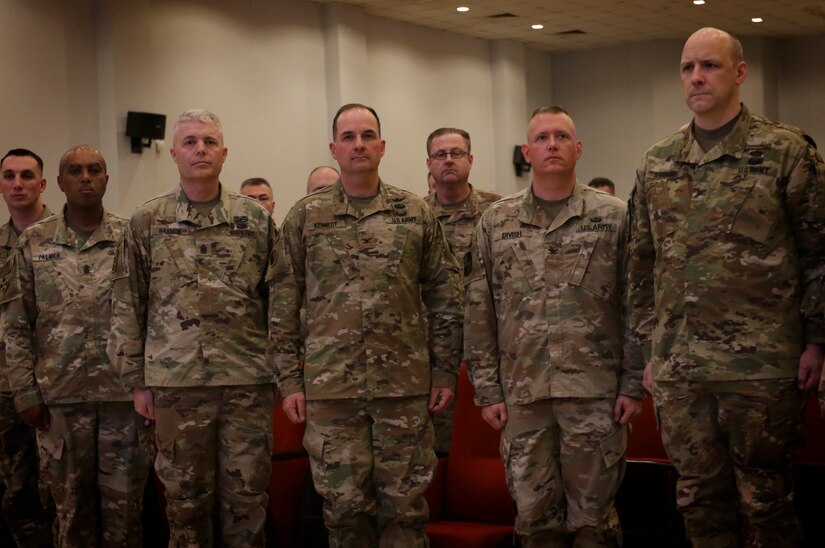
column 458, row 206
column 553, row 366
column 321, row 177
column 727, row 262
column 363, row 255
column 94, row 448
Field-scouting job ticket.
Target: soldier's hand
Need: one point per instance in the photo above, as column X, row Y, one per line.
column 295, row 406
column 145, row 404
column 810, row 368
column 647, row 378
column 439, row 398
column 495, row 415
column 36, row 416
column 626, row 408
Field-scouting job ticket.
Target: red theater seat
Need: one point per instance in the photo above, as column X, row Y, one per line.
column 469, row 502
column 290, row 469
column 645, row 441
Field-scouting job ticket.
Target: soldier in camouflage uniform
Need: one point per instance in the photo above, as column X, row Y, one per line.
column 458, row 207
column 545, row 344
column 92, row 444
column 21, row 183
column 189, row 337
column 727, row 261
column 365, row 255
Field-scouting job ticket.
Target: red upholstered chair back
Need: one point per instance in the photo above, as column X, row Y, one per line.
column 814, row 451
column 645, row 441
column 476, row 489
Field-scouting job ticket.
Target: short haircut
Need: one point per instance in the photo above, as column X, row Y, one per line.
column 197, row 115
column 252, row 181
column 602, row 181
column 448, row 131
column 64, row 160
column 319, row 168
column 353, row 106
column 552, row 109
column 24, row 152
column 736, row 51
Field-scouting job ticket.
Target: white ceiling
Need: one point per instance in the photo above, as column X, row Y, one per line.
column 587, row 24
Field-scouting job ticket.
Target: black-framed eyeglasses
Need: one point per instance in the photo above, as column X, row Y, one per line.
column 455, row 154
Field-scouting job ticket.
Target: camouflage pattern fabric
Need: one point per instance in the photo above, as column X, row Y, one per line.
column 726, row 283
column 189, row 312
column 459, row 224
column 214, row 448
column 97, row 448
column 9, row 243
column 544, row 302
column 731, row 442
column 57, row 318
column 564, row 461
column 727, row 255
column 372, row 461
column 364, row 278
column 544, row 333
column 29, row 523
column 189, row 295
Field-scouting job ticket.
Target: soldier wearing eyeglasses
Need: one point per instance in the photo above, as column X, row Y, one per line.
column 458, row 206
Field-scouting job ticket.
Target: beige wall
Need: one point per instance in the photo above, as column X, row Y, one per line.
column 276, row 71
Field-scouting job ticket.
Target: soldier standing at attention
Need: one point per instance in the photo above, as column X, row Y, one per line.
column 365, row 255
column 727, row 262
column 22, row 184
column 92, row 444
column 458, row 207
column 545, row 345
column 189, row 338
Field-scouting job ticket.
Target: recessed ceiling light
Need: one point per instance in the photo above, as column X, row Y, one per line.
column 756, row 19
column 537, row 27
column 698, row 2
column 462, row 9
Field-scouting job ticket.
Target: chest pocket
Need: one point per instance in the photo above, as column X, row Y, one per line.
column 56, row 287
column 329, row 263
column 594, row 266
column 516, row 276
column 757, row 209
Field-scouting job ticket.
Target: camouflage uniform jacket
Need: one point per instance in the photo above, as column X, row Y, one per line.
column 8, row 243
column 189, row 294
column 459, row 224
column 364, row 279
column 544, row 301
column 727, row 254
column 57, row 318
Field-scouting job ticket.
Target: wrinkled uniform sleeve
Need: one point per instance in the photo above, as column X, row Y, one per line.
column 130, row 293
column 480, row 323
column 20, row 316
column 286, row 283
column 630, row 381
column 641, row 259
column 805, row 203
column 441, row 293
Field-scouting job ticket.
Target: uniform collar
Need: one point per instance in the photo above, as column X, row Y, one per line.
column 341, row 202
column 185, row 213
column 733, row 144
column 530, row 213
column 105, row 232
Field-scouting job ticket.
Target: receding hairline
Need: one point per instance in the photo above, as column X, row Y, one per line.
column 735, row 50
column 72, row 151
